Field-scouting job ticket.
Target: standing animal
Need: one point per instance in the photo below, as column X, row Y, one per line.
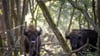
column 79, row 37
column 32, row 41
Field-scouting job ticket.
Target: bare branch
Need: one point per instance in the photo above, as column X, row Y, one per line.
column 59, row 14
column 49, row 52
column 94, row 47
column 71, row 18
column 74, row 51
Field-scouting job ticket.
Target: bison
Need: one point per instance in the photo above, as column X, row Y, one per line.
column 78, row 38
column 32, row 41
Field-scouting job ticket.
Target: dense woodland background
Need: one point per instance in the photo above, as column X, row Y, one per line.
column 55, row 17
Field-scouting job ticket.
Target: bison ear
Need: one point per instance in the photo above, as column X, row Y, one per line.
column 25, row 33
column 39, row 32
column 67, row 37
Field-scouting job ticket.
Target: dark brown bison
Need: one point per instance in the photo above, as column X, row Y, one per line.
column 32, row 41
column 79, row 37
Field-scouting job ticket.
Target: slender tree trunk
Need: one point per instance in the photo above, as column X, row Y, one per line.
column 14, row 24
column 80, row 25
column 94, row 11
column 2, row 29
column 7, row 23
column 24, row 11
column 59, row 14
column 98, row 16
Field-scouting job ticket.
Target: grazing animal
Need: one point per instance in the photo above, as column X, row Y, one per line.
column 32, row 41
column 79, row 37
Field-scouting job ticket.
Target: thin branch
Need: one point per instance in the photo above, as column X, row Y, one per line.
column 74, row 51
column 23, row 11
column 32, row 14
column 71, row 20
column 94, row 13
column 59, row 14
column 94, row 47
column 49, row 52
column 79, row 21
column 35, row 8
column 12, row 29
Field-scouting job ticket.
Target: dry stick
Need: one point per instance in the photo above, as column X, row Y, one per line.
column 49, row 43
column 12, row 28
column 74, row 51
column 49, row 52
column 94, row 47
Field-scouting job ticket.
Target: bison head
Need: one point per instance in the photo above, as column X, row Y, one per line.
column 77, row 38
column 32, row 34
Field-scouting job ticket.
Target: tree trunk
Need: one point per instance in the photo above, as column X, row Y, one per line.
column 24, row 9
column 7, row 23
column 98, row 16
column 53, row 26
